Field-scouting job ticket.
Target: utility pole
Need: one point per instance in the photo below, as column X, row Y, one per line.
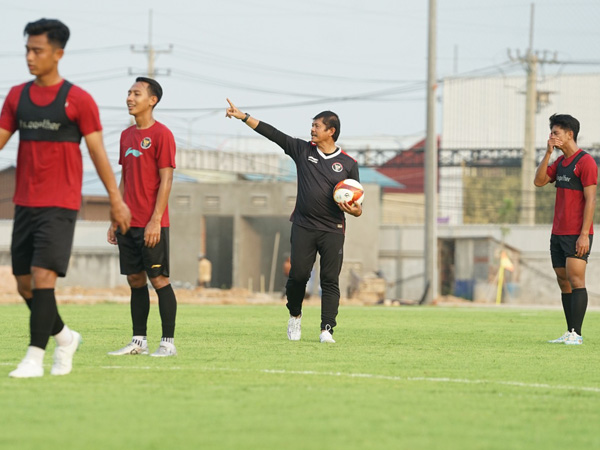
column 528, row 163
column 431, row 164
column 151, row 52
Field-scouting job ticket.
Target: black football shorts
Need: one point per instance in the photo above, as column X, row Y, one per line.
column 135, row 257
column 563, row 247
column 42, row 237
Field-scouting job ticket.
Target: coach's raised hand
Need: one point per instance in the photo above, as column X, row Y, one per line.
column 232, row 111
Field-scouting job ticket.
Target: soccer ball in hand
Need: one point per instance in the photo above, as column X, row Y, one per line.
column 349, row 191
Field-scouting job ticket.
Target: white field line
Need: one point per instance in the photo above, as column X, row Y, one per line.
column 369, row 376
column 139, row 368
column 380, row 377
column 435, row 380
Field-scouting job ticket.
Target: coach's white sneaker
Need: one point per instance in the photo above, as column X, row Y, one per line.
column 560, row 340
column 294, row 328
column 63, row 355
column 574, row 339
column 325, row 337
column 165, row 349
column 132, row 348
column 27, row 368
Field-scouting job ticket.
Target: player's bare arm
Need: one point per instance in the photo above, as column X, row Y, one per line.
column 110, row 234
column 4, row 137
column 232, row 111
column 354, row 209
column 152, row 231
column 119, row 212
column 582, row 246
column 541, row 174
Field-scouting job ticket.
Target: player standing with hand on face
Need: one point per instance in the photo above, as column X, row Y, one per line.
column 52, row 116
column 148, row 159
column 318, row 223
column 576, row 175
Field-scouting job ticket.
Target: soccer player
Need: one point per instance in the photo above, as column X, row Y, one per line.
column 318, row 223
column 52, row 116
column 147, row 158
column 575, row 173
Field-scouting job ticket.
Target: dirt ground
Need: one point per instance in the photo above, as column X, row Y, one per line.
column 77, row 294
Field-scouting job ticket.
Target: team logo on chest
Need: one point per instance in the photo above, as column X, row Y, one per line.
column 146, row 143
column 337, row 167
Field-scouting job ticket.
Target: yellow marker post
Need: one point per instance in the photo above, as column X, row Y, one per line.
column 505, row 263
column 500, row 284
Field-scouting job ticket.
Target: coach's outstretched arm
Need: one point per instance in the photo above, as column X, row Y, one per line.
column 232, row 111
column 287, row 143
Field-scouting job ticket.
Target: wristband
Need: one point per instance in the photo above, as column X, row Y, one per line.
column 245, row 118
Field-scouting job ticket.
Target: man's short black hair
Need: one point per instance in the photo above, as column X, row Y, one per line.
column 58, row 33
column 153, row 87
column 330, row 119
column 566, row 122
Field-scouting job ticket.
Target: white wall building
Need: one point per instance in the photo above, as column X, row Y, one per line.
column 489, row 113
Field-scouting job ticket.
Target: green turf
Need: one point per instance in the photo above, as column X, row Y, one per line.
column 398, row 378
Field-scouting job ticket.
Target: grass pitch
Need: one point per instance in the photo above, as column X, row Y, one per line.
column 397, row 378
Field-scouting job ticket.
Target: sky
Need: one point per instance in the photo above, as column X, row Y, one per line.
column 285, row 61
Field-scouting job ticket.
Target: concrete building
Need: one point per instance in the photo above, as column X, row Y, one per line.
column 243, row 228
column 94, row 201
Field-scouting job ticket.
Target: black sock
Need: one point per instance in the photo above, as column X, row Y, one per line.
column 140, row 308
column 58, row 323
column 579, row 301
column 167, row 305
column 43, row 316
column 566, row 302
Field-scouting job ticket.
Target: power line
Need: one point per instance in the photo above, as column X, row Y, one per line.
column 229, row 62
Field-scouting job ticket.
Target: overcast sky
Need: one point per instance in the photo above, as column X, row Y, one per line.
column 283, row 61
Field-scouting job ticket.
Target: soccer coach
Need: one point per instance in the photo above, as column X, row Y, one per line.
column 318, row 222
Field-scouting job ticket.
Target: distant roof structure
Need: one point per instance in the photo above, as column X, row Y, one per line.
column 92, row 185
column 368, row 175
column 258, row 144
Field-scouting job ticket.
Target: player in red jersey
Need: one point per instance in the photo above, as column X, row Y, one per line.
column 575, row 173
column 148, row 158
column 318, row 222
column 52, row 116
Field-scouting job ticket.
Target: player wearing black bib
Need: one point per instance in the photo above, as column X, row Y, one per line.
column 318, row 222
column 575, row 175
column 52, row 116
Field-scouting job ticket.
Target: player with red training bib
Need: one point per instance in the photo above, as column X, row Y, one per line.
column 318, row 222
column 52, row 116
column 575, row 174
column 148, row 158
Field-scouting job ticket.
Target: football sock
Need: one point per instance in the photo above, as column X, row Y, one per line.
column 140, row 308
column 566, row 302
column 579, row 301
column 170, row 340
column 167, row 306
column 140, row 340
column 64, row 336
column 43, row 315
column 58, row 323
column 35, row 354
